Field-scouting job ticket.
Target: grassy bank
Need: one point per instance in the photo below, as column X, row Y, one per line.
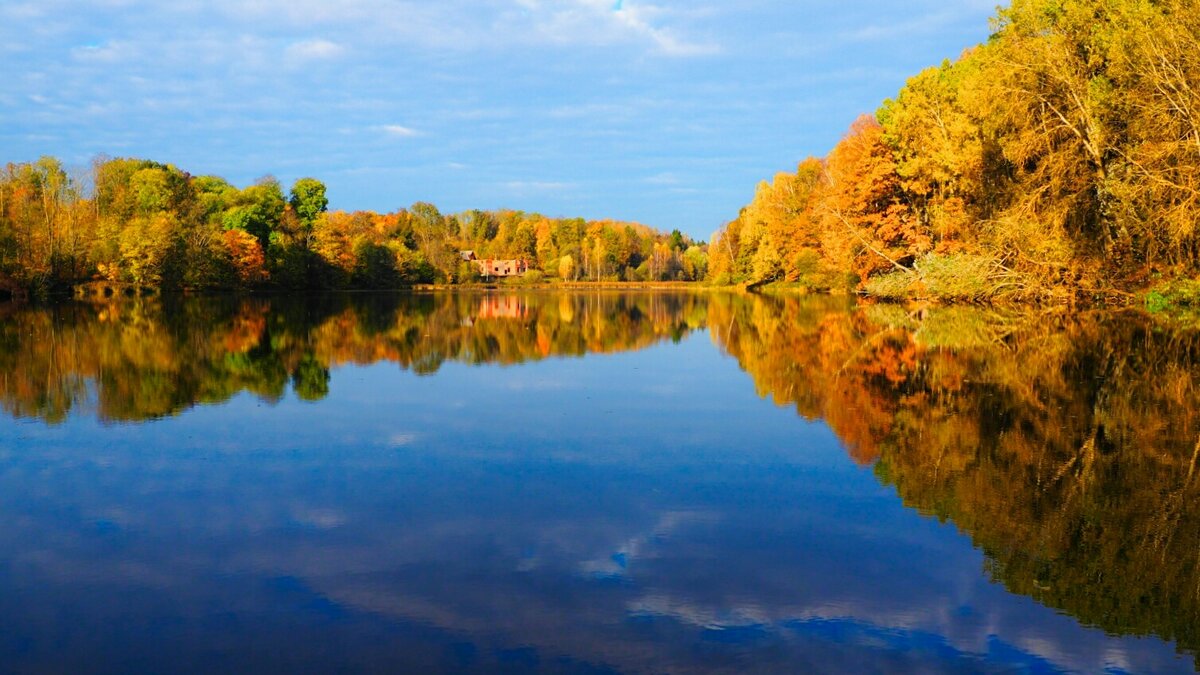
column 965, row 279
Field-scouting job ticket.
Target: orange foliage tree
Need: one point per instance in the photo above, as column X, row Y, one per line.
column 246, row 256
column 867, row 224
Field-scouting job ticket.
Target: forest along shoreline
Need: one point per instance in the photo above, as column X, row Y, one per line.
column 1057, row 164
column 137, row 226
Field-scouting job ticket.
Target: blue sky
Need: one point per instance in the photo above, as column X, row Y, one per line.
column 666, row 112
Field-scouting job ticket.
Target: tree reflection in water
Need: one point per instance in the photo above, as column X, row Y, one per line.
column 1064, row 446
column 144, row 359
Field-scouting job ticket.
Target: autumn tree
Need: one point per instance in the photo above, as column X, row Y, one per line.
column 246, row 256
column 941, row 152
column 866, row 223
column 40, row 223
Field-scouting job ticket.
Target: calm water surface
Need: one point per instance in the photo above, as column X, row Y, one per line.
column 594, row 483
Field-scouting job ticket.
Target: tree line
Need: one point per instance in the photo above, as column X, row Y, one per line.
column 1059, row 159
column 147, row 223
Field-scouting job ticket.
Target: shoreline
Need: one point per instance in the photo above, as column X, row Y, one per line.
column 1179, row 295
column 574, row 286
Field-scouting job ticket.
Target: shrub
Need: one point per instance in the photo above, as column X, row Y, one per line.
column 1175, row 295
column 956, row 277
column 892, row 286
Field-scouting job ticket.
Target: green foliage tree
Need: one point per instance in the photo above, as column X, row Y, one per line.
column 258, row 210
column 308, row 200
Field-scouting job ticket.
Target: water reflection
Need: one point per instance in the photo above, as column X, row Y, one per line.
column 146, row 359
column 1066, row 447
column 639, row 514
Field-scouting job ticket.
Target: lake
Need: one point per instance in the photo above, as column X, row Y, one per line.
column 595, row 482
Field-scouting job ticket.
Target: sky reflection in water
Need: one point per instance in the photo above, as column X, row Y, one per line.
column 515, row 508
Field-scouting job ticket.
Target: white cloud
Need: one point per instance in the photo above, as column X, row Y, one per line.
column 598, row 110
column 107, row 52
column 21, row 11
column 525, row 186
column 313, row 50
column 667, row 41
column 601, row 22
column 399, row 131
column 919, row 24
column 665, row 178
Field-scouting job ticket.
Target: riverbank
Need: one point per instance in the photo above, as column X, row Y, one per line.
column 1174, row 297
column 980, row 281
column 573, row 286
